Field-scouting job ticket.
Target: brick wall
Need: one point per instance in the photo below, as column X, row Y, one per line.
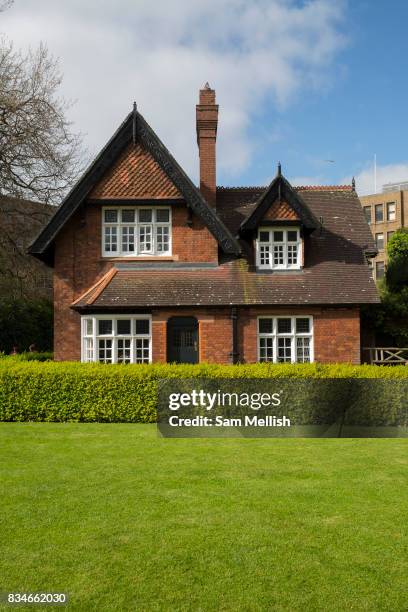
column 206, row 123
column 79, row 264
column 77, row 267
column 195, row 243
column 214, row 329
column 385, row 227
column 336, row 333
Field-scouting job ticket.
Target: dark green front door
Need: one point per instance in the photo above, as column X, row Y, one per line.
column 182, row 340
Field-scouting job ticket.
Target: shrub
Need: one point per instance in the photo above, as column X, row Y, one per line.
column 389, row 320
column 50, row 391
column 24, row 322
column 28, row 356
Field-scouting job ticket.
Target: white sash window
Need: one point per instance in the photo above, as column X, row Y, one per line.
column 285, row 339
column 116, row 339
column 136, row 231
column 278, row 248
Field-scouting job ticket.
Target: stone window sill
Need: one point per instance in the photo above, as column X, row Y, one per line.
column 141, row 258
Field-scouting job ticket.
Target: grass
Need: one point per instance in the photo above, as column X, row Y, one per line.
column 123, row 520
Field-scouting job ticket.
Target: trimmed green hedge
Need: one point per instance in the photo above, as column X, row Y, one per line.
column 50, row 391
column 29, row 356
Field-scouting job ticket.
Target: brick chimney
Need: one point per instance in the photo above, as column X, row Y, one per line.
column 207, row 120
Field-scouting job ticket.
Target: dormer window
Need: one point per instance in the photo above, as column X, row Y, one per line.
column 136, row 231
column 278, row 248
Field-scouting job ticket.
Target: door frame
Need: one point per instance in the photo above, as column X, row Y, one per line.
column 176, row 321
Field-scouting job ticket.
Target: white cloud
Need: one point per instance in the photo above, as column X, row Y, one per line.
column 161, row 52
column 391, row 173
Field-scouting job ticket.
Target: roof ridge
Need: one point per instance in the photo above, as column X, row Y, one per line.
column 243, row 187
column 323, row 187
column 296, row 187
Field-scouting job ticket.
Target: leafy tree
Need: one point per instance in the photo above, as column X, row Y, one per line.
column 389, row 320
column 397, row 269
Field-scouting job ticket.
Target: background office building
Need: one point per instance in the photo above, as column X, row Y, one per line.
column 385, row 213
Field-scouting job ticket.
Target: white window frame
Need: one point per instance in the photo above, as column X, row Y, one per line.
column 293, row 335
column 153, row 225
column 285, row 243
column 114, row 336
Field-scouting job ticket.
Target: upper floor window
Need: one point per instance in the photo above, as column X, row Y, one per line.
column 379, row 270
column 136, row 231
column 367, row 214
column 379, row 213
column 379, row 241
column 278, row 248
column 391, row 209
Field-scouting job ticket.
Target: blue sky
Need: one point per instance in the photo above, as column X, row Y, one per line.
column 300, row 82
column 364, row 112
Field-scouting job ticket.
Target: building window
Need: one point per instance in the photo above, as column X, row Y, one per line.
column 379, row 270
column 379, row 213
column 379, row 241
column 391, row 211
column 367, row 214
column 116, row 339
column 279, row 249
column 285, row 339
column 132, row 231
column 389, row 236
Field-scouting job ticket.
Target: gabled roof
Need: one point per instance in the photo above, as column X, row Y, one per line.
column 340, row 214
column 335, row 272
column 280, row 190
column 134, row 127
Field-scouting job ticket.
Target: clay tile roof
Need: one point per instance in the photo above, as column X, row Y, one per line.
column 242, row 188
column 135, row 175
column 323, row 188
column 235, row 283
column 335, row 271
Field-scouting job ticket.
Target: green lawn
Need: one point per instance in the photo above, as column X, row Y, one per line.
column 123, row 520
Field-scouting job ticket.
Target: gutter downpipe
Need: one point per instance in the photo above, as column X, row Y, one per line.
column 234, row 319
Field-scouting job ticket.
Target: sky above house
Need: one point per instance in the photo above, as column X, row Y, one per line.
column 321, row 85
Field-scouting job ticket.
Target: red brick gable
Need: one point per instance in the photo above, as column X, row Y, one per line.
column 135, row 175
column 280, row 211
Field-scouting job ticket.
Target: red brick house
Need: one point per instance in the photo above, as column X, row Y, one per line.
column 148, row 267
